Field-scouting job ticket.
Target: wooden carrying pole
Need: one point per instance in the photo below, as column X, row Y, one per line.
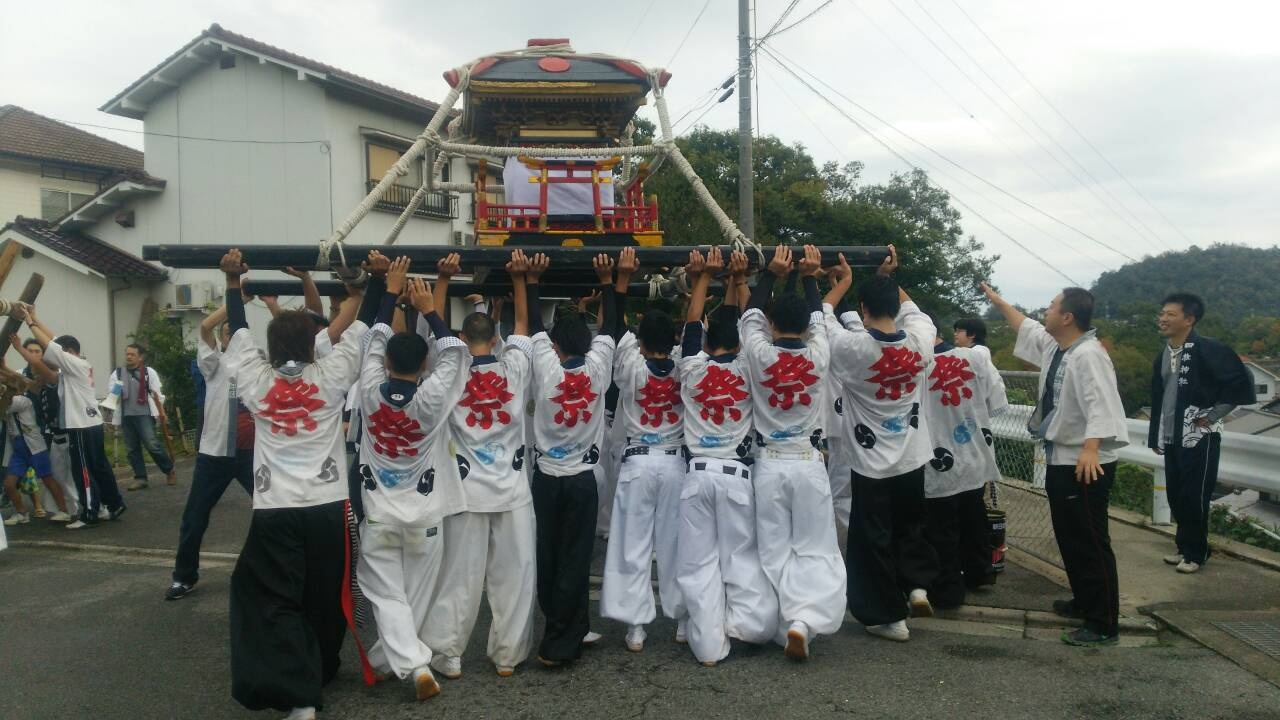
column 457, row 288
column 29, row 294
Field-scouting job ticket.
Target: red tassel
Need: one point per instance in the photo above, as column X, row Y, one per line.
column 348, row 603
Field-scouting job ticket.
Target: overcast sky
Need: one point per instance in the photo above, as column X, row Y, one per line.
column 1180, row 96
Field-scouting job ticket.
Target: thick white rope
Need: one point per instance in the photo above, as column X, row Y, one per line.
column 455, row 148
column 409, row 210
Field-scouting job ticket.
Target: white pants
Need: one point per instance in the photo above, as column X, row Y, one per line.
column 838, row 469
column 718, row 565
column 491, row 553
column 646, row 517
column 606, row 472
column 397, row 572
column 60, row 460
column 796, row 532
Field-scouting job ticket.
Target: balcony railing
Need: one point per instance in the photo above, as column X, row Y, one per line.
column 434, row 204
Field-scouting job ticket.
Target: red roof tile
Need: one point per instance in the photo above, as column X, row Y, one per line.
column 37, row 137
column 86, row 250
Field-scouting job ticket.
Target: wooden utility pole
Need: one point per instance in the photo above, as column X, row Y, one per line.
column 746, row 187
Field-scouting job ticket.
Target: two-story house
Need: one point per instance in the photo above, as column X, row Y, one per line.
column 245, row 143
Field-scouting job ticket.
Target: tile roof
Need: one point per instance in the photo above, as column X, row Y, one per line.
column 86, row 249
column 216, row 32
column 35, row 136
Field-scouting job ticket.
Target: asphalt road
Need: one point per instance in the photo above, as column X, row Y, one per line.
column 86, row 634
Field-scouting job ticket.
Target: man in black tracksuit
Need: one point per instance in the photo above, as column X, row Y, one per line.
column 1195, row 382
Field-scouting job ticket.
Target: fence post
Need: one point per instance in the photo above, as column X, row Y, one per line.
column 1160, row 514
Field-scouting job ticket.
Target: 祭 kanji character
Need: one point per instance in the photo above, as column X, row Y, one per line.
column 657, row 399
column 288, row 405
column 789, row 376
column 895, row 372
column 485, row 395
column 950, row 375
column 719, row 392
column 574, row 399
column 394, row 433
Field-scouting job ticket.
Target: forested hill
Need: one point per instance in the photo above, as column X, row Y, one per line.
column 1236, row 281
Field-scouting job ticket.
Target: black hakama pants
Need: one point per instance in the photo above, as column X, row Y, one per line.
column 887, row 555
column 959, row 532
column 565, row 508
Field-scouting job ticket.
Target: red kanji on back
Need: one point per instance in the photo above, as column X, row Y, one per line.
column 288, row 406
column 394, row 433
column 657, row 399
column 895, row 372
column 719, row 392
column 950, row 373
column 789, row 376
column 484, row 396
column 574, row 399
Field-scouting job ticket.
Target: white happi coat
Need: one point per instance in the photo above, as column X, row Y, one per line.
column 963, row 392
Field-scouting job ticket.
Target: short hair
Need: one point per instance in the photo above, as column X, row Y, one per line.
column 32, row 341
column 879, row 295
column 68, row 342
column 406, row 352
column 1078, row 302
column 657, row 332
column 1191, row 303
column 789, row 314
column 722, row 328
column 291, row 336
column 571, row 334
column 974, row 327
column 477, row 328
column 141, row 350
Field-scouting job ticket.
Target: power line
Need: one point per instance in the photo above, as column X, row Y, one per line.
column 152, row 133
column 688, row 32
column 636, row 27
column 911, row 164
column 982, row 69
column 945, row 158
column 1039, row 143
column 1070, row 124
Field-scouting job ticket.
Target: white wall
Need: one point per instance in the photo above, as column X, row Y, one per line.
column 20, row 184
column 1262, row 379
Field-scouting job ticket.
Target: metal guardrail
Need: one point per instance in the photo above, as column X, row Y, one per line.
column 434, row 204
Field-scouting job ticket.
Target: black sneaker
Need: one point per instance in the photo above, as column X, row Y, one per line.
column 178, row 590
column 118, row 511
column 1084, row 637
column 1067, row 609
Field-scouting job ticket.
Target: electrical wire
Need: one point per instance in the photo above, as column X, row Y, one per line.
column 688, row 32
column 152, row 133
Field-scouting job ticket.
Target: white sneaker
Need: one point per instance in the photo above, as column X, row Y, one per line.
column 17, row 519
column 59, row 517
column 896, row 631
column 105, row 514
column 1174, row 559
column 448, row 666
column 302, row 713
column 635, row 638
column 424, row 683
column 76, row 525
column 682, row 631
column 797, row 641
column 591, row 638
column 918, row 601
column 1186, row 567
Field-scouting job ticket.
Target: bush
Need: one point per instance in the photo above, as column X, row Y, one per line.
column 1222, row 522
column 1133, row 488
column 1015, row 458
column 169, row 352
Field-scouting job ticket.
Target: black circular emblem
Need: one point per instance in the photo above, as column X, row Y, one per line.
column 942, row 460
column 839, row 406
column 366, row 476
column 744, row 447
column 464, row 467
column 864, row 436
column 427, row 482
column 915, row 416
column 592, row 456
column 517, row 460
column 986, row 435
column 816, row 439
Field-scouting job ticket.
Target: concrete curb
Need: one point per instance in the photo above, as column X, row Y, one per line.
column 1226, row 546
column 1038, row 619
column 118, row 549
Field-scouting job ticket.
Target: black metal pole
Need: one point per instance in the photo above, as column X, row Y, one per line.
column 278, row 257
column 557, row 291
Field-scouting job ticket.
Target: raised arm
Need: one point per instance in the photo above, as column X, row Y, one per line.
column 310, row 293
column 44, row 372
column 603, row 265
column 809, row 267
column 446, row 268
column 735, row 285
column 397, row 284
column 778, row 267
column 209, row 326
column 628, row 265
column 698, row 272
column 841, row 281
column 1010, row 313
column 273, row 305
column 517, row 267
column 538, row 264
column 233, row 266
column 42, row 334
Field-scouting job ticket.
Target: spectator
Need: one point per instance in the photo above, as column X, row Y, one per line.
column 141, row 403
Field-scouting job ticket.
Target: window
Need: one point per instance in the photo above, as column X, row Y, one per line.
column 380, row 158
column 1260, row 390
column 56, row 203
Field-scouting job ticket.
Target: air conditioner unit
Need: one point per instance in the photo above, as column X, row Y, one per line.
column 460, row 238
column 457, row 237
column 192, row 295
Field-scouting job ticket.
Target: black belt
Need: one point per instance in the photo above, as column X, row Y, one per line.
column 726, row 469
column 643, row 450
